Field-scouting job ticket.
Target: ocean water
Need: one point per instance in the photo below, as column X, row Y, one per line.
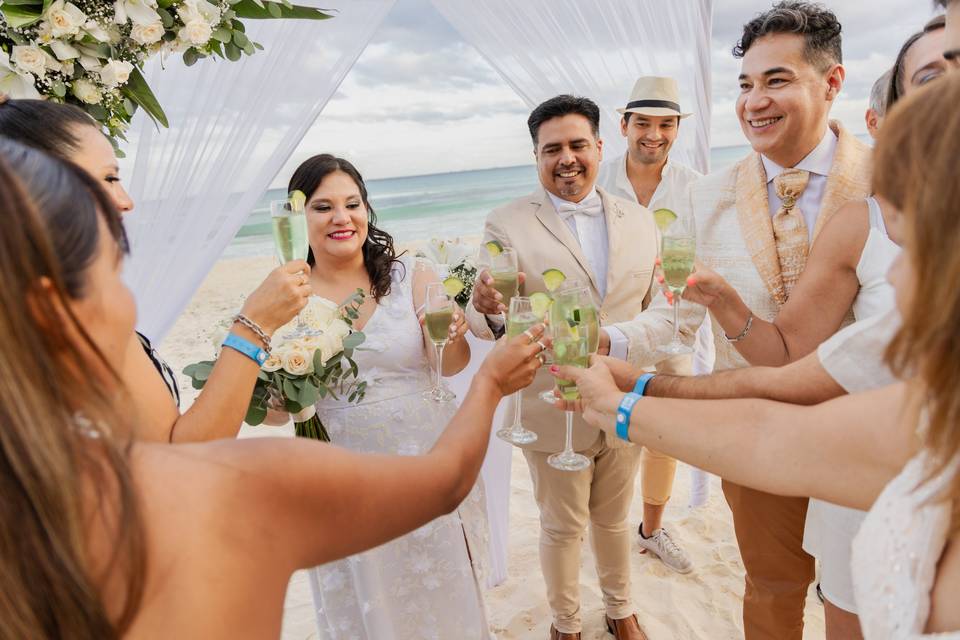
column 442, row 205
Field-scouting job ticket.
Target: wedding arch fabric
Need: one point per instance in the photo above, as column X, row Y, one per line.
column 232, row 127
column 597, row 49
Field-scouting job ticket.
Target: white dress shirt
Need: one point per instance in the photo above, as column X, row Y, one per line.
column 591, row 232
column 674, row 181
column 818, row 162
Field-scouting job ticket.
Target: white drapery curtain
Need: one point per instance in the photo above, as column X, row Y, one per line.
column 232, row 127
column 543, row 48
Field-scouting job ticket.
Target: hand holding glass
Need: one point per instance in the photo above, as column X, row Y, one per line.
column 292, row 241
column 519, row 319
column 677, row 254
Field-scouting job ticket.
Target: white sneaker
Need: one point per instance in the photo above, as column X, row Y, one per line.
column 663, row 546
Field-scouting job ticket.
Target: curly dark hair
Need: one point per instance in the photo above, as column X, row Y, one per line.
column 817, row 24
column 560, row 106
column 379, row 254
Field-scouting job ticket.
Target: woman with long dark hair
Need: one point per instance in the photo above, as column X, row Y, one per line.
column 66, row 132
column 403, row 589
column 103, row 535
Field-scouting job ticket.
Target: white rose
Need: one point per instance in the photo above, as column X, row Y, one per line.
column 297, row 363
column 30, row 59
column 115, row 73
column 320, row 312
column 87, row 92
column 339, row 328
column 330, row 346
column 272, row 363
column 196, row 32
column 65, row 19
column 147, row 33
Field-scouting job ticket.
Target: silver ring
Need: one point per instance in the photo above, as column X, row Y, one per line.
column 304, row 279
column 541, row 359
column 530, row 336
column 543, row 347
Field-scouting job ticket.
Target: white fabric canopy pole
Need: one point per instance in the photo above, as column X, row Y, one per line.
column 232, row 127
column 543, row 48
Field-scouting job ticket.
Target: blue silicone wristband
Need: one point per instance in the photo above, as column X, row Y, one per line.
column 245, row 347
column 641, row 387
column 623, row 415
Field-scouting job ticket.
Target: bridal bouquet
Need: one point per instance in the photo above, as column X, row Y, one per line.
column 91, row 52
column 302, row 370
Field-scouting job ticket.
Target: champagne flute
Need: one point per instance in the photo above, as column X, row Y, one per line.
column 677, row 254
column 439, row 309
column 292, row 241
column 571, row 347
column 520, row 319
column 506, row 280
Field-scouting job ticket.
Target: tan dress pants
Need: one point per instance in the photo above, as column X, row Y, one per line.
column 769, row 532
column 570, row 500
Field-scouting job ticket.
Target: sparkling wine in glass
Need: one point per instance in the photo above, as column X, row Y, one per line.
column 519, row 319
column 439, row 309
column 677, row 254
column 571, row 347
column 292, row 241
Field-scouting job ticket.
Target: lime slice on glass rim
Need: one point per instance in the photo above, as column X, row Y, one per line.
column 540, row 303
column 553, row 278
column 494, row 248
column 453, row 286
column 297, row 200
column 664, row 218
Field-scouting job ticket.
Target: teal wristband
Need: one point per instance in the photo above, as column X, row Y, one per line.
column 623, row 415
column 641, row 387
column 245, row 347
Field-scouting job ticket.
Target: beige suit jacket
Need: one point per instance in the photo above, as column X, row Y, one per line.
column 543, row 241
column 735, row 239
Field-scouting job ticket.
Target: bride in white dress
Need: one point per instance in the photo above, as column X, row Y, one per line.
column 427, row 583
column 894, row 451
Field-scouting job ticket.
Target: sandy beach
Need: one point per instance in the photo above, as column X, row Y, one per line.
column 704, row 604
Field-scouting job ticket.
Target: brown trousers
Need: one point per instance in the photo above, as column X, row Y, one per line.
column 769, row 532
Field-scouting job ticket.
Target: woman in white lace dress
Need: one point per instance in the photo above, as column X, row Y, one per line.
column 894, row 451
column 425, row 584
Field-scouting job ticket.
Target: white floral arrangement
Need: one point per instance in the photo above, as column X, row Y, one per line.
column 458, row 260
column 302, row 370
column 91, row 52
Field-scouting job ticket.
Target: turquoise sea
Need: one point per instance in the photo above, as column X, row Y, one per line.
column 442, row 205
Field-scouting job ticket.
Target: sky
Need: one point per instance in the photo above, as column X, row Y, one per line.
column 419, row 85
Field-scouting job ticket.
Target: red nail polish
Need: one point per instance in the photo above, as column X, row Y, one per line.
column 554, row 368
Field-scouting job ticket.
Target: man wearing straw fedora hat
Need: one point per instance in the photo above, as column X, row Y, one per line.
column 646, row 174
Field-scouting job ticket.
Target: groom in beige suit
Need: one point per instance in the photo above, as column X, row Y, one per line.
column 755, row 223
column 609, row 245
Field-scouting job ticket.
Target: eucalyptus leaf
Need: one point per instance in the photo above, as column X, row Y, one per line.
column 232, row 52
column 199, row 370
column 275, row 10
column 166, row 17
column 190, row 57
column 223, row 35
column 240, row 39
column 249, row 49
column 308, row 395
column 353, row 340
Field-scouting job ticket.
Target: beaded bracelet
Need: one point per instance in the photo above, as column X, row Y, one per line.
column 253, row 326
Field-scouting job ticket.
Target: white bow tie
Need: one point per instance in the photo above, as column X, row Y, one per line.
column 591, row 206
